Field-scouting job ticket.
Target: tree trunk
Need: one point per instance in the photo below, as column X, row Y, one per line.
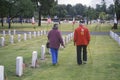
column 2, row 22
column 115, row 26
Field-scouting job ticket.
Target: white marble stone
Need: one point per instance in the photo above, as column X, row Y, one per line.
column 38, row 33
column 11, row 39
column 63, row 40
column 119, row 41
column 44, row 32
column 1, row 72
column 4, row 33
column 30, row 35
column 41, row 32
column 25, row 36
column 34, row 33
column 116, row 37
column 19, row 37
column 14, row 32
column 2, row 41
column 34, row 58
column 9, row 32
column 19, row 66
column 43, row 52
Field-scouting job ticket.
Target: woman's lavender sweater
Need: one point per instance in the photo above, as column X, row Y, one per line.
column 55, row 38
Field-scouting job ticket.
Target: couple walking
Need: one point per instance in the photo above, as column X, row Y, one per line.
column 81, row 40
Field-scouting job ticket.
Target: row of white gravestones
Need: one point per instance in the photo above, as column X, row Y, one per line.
column 42, row 32
column 19, row 63
column 1, row 72
column 115, row 36
column 2, row 40
column 68, row 38
column 9, row 32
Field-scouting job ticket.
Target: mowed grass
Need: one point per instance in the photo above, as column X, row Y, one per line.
column 63, row 27
column 103, row 60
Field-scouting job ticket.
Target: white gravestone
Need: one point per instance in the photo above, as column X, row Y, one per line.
column 41, row 32
column 9, row 32
column 30, row 35
column 2, row 41
column 119, row 41
column 1, row 72
column 19, row 37
column 44, row 32
column 25, row 36
column 14, row 32
column 66, row 39
column 19, row 66
column 111, row 34
column 116, row 37
column 34, row 34
column 43, row 52
column 11, row 39
column 63, row 40
column 34, row 59
column 38, row 33
column 3, row 32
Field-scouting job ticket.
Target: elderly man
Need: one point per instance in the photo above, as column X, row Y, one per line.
column 81, row 40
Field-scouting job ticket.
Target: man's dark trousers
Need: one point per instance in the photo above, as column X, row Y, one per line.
column 80, row 49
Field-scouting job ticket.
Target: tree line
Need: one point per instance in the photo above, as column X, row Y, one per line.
column 28, row 8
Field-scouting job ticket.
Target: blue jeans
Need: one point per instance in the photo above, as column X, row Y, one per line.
column 54, row 54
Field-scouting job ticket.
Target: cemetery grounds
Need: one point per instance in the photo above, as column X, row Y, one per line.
column 103, row 56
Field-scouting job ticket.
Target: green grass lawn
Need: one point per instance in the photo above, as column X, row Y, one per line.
column 104, row 57
column 103, row 60
column 62, row 27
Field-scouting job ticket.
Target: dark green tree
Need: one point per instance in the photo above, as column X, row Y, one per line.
column 3, row 10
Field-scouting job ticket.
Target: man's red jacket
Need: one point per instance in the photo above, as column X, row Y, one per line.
column 81, row 35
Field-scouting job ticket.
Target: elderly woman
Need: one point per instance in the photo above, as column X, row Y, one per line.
column 55, row 39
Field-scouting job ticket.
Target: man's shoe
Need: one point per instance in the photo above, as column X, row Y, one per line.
column 84, row 62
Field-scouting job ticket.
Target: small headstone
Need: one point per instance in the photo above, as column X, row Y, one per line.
column 1, row 72
column 119, row 41
column 44, row 32
column 11, row 39
column 30, row 35
column 38, row 33
column 112, row 34
column 43, row 52
column 3, row 32
column 9, row 32
column 25, row 36
column 34, row 59
column 63, row 40
column 41, row 32
column 2, row 41
column 66, row 39
column 34, row 34
column 19, row 37
column 19, row 66
column 14, row 32
column 116, row 37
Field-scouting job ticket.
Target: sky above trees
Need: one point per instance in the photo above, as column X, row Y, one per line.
column 84, row 2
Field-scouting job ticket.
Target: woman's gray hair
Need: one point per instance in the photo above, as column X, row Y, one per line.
column 55, row 26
